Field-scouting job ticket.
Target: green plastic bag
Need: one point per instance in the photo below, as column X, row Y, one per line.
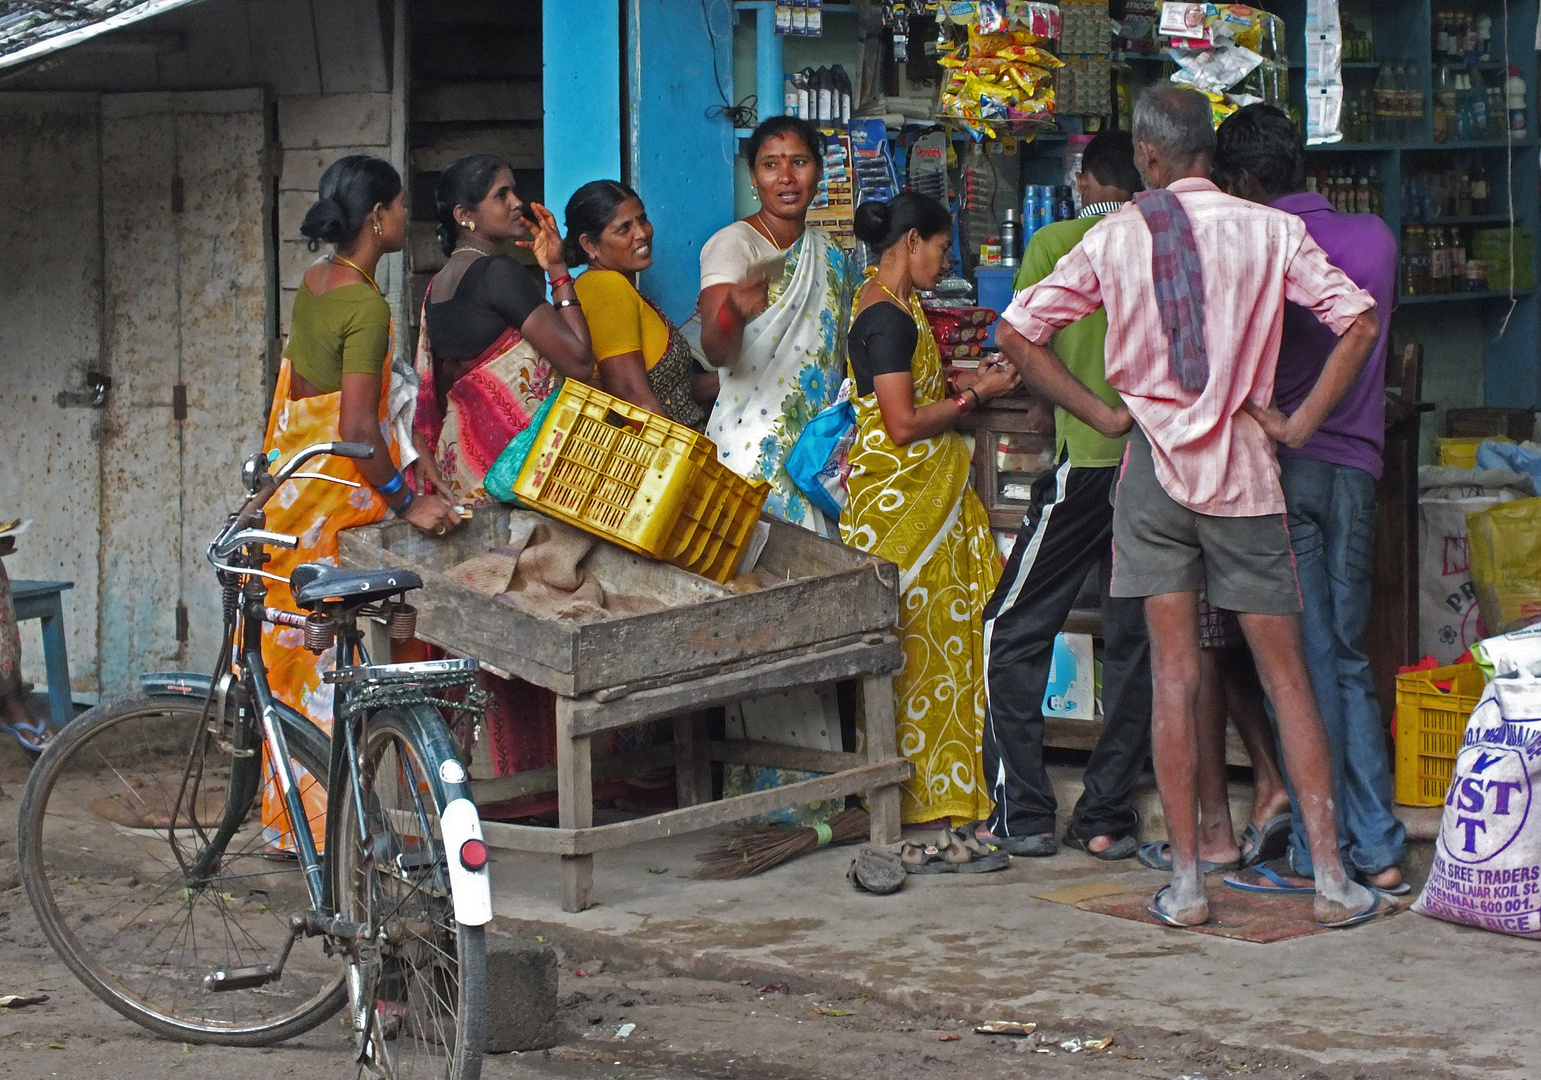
column 1504, row 546
column 505, row 471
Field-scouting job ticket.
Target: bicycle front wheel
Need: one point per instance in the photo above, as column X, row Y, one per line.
column 116, row 811
column 419, row 978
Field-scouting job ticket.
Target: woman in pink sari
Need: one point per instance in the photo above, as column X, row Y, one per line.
column 491, row 350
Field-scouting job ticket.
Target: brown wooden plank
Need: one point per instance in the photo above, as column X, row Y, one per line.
column 777, row 756
column 692, row 766
column 521, row 147
column 882, row 746
column 542, row 841
column 695, row 818
column 861, row 658
column 498, row 99
column 575, row 806
column 540, row 781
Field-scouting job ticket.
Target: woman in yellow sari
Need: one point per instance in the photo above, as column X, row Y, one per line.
column 911, row 503
column 334, row 383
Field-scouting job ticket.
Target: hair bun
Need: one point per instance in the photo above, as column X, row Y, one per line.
column 872, row 221
column 326, row 220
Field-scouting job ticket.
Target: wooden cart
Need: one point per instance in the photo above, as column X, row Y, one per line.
column 830, row 617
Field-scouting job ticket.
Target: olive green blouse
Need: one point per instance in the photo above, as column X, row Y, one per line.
column 346, row 329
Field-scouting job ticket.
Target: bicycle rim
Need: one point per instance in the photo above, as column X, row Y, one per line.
column 417, row 995
column 123, row 800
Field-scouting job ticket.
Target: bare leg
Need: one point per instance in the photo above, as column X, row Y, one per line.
column 1244, row 701
column 1276, row 646
column 1174, row 661
column 1217, row 835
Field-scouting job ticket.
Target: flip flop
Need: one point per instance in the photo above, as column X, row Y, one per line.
column 1401, row 888
column 1269, row 842
column 948, row 858
column 1031, row 847
column 1125, row 847
column 877, row 871
column 1273, row 881
column 1153, row 909
column 34, row 738
column 1158, row 856
column 1380, row 904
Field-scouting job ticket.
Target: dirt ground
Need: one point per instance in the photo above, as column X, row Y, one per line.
column 684, row 1027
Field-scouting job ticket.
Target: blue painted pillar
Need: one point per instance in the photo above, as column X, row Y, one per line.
column 581, row 89
column 681, row 159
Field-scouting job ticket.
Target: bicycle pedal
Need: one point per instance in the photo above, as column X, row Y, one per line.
column 241, row 978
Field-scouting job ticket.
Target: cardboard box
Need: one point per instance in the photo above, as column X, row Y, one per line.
column 1072, row 689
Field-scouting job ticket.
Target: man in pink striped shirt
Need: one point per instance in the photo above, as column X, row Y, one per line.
column 1194, row 283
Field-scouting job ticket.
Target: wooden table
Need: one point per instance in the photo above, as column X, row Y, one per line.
column 830, row 617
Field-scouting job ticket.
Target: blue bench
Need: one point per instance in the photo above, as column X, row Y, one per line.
column 43, row 600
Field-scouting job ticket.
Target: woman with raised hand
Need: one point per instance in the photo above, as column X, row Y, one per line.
column 775, row 301
column 491, row 352
column 642, row 355
column 911, row 503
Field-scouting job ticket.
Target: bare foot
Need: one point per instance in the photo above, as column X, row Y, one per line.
column 1388, row 878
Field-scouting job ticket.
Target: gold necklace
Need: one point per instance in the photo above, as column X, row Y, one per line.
column 473, row 250
column 768, row 232
column 348, row 262
column 901, row 303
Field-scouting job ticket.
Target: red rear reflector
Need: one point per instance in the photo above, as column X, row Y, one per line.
column 473, row 854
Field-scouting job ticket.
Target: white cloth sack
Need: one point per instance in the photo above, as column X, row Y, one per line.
column 1487, row 859
column 1448, row 621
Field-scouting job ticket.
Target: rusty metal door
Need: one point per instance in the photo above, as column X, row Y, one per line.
column 186, row 227
column 50, row 342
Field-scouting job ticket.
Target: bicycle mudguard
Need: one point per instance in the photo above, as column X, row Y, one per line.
column 471, row 889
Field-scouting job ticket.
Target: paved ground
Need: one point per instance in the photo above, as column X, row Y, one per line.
column 896, row 977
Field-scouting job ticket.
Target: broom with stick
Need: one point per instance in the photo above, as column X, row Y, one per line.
column 754, row 851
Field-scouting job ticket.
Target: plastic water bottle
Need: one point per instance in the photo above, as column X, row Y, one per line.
column 1514, row 91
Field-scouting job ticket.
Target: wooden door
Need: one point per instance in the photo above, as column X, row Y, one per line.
column 50, row 339
column 186, row 227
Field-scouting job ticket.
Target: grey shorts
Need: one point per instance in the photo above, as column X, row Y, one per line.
column 1160, row 546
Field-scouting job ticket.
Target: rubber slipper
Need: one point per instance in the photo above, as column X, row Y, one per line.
column 33, row 737
column 877, row 871
column 1153, row 909
column 1269, row 842
column 1125, row 847
column 1030, row 847
column 1272, row 881
column 1158, row 856
column 1401, row 888
column 1380, row 904
column 918, row 858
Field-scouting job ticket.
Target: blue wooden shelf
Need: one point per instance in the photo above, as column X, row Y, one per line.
column 1441, row 298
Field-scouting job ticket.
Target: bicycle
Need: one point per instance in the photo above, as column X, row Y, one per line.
column 363, row 883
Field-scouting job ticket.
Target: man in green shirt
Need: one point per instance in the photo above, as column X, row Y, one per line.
column 1067, row 532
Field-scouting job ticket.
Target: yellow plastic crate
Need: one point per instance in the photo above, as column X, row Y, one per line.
column 641, row 481
column 1430, row 724
column 1461, row 453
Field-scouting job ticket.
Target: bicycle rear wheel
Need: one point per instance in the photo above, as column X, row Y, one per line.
column 417, row 998
column 102, row 853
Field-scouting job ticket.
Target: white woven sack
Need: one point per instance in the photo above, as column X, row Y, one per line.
column 1487, row 860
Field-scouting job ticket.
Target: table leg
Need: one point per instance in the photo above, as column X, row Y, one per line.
column 692, row 768
column 575, row 806
column 882, row 745
column 56, row 662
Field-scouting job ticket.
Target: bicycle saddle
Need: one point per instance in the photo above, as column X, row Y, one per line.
column 312, row 583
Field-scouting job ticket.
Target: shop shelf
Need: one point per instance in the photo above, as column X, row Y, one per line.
column 644, row 482
column 1430, row 723
column 1443, row 298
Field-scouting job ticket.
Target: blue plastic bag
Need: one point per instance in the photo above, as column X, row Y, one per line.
column 817, row 461
column 1511, row 456
column 505, row 471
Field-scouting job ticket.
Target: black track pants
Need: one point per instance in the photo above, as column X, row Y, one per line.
column 1068, row 530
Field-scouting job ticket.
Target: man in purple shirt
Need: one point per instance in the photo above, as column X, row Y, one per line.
column 1329, row 488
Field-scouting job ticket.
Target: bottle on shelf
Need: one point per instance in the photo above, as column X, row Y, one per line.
column 1439, row 266
column 1497, row 118
column 1456, row 258
column 1463, row 193
column 1385, row 107
column 1476, row 109
column 1479, row 187
column 1514, row 94
column 1415, row 261
column 1445, row 97
column 1377, row 202
column 1362, row 195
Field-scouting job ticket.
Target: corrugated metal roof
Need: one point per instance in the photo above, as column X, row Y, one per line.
column 30, row 29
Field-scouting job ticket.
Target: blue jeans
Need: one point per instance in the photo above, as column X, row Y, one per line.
column 1332, row 532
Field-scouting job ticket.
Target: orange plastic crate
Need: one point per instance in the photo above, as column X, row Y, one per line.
column 641, row 481
column 1430, row 725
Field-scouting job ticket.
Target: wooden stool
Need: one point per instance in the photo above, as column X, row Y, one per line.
column 42, row 600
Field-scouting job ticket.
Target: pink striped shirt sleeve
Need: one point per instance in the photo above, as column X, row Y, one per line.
column 1311, row 281
column 1070, row 292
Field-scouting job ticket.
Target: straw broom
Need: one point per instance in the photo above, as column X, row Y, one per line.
column 754, row 851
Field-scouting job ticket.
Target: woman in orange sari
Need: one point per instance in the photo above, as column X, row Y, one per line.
column 334, row 384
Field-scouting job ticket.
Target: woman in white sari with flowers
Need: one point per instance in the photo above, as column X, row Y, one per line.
column 775, row 303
